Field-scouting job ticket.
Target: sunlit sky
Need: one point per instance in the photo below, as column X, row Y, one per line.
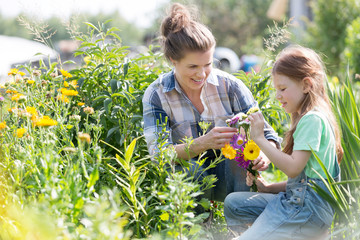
column 140, row 12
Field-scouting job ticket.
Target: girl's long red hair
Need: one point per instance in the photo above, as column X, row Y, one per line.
column 297, row 63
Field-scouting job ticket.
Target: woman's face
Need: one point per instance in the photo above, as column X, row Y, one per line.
column 193, row 69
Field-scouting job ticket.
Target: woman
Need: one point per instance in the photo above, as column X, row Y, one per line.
column 194, row 92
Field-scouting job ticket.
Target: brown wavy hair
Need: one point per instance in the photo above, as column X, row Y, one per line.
column 181, row 32
column 297, row 63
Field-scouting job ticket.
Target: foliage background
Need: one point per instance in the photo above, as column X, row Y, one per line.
column 109, row 188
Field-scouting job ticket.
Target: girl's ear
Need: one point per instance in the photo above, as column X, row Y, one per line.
column 307, row 84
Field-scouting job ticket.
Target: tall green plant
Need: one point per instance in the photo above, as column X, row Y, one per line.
column 113, row 82
column 344, row 195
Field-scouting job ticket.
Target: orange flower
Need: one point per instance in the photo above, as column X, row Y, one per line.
column 228, row 151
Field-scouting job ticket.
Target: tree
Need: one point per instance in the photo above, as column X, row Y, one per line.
column 237, row 24
column 328, row 29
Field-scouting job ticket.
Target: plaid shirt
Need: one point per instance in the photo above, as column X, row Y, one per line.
column 222, row 96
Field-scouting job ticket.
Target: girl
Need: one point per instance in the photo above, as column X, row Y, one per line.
column 296, row 211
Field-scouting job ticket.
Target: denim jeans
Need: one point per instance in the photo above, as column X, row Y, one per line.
column 230, row 177
column 298, row 213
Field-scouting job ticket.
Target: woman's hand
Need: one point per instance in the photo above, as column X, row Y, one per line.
column 218, row 137
column 260, row 182
column 257, row 125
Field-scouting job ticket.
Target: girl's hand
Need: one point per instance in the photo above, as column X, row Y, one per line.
column 257, row 125
column 218, row 137
column 260, row 182
column 261, row 163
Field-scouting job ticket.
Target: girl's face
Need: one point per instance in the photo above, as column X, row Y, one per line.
column 289, row 92
column 193, row 69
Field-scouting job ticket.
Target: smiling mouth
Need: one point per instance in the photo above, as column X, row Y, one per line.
column 198, row 80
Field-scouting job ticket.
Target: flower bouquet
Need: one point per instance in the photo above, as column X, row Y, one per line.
column 241, row 148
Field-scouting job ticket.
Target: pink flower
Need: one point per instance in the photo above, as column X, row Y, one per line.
column 237, row 141
column 231, row 122
column 241, row 160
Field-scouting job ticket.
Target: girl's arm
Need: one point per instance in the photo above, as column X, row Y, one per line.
column 292, row 165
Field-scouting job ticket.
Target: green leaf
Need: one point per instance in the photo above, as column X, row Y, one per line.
column 107, row 105
column 130, row 151
column 94, row 176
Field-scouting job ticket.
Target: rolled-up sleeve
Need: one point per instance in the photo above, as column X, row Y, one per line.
column 154, row 119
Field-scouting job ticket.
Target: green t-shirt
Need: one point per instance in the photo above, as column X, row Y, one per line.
column 315, row 131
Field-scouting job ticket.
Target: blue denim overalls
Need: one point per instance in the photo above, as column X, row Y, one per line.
column 298, row 213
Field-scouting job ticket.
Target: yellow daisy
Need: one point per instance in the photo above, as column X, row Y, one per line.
column 18, row 97
column 68, row 92
column 253, row 110
column 228, row 151
column 2, row 125
column 45, row 121
column 251, row 150
column 20, row 132
column 65, row 73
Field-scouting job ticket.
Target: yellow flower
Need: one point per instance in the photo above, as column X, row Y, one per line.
column 30, row 81
column 164, row 216
column 2, row 125
column 335, row 80
column 65, row 73
column 20, row 132
column 74, row 83
column 81, row 104
column 228, row 151
column 87, row 60
column 13, row 110
column 18, row 97
column 251, row 150
column 64, row 99
column 33, row 112
column 68, row 92
column 84, row 137
column 66, row 84
column 253, row 110
column 15, row 71
column 45, row 121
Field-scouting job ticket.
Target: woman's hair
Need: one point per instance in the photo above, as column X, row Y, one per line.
column 297, row 63
column 180, row 32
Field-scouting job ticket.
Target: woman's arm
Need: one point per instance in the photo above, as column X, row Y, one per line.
column 215, row 139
